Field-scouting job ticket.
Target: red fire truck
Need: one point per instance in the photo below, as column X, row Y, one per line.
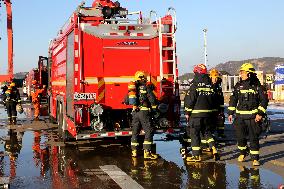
column 39, row 74
column 94, row 57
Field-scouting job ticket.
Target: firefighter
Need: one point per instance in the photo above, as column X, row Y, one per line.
column 249, row 103
column 199, row 105
column 219, row 114
column 11, row 99
column 36, row 94
column 144, row 103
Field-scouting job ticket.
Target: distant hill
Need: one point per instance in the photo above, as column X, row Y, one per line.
column 266, row 64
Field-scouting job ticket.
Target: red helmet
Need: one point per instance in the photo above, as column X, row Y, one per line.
column 200, row 68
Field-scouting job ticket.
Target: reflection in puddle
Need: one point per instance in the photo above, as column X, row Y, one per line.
column 218, row 175
column 36, row 159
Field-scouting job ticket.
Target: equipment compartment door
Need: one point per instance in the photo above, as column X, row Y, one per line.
column 122, row 60
column 119, row 67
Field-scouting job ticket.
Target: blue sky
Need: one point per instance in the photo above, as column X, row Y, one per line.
column 237, row 30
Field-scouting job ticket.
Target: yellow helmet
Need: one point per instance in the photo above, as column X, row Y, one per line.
column 12, row 84
column 248, row 67
column 214, row 73
column 139, row 75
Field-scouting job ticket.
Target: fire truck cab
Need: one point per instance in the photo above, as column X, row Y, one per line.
column 94, row 57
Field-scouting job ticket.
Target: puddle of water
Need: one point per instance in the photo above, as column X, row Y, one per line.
column 27, row 114
column 37, row 159
column 217, row 175
column 31, row 163
column 249, row 177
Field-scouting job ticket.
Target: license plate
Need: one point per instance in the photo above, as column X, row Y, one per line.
column 84, row 96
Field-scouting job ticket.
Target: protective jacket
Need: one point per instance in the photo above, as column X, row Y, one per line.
column 248, row 99
column 199, row 100
column 141, row 96
column 36, row 95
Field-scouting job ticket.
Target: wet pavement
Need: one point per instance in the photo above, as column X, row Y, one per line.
column 32, row 156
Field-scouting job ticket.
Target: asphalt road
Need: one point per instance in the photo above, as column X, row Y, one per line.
column 32, row 156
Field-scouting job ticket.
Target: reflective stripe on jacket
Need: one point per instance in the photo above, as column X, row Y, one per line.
column 199, row 100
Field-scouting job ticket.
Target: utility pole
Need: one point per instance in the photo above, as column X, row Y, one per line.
column 205, row 46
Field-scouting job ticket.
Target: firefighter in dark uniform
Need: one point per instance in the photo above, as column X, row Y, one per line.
column 199, row 106
column 219, row 117
column 249, row 103
column 11, row 99
column 144, row 103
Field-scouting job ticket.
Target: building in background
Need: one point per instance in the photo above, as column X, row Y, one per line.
column 279, row 83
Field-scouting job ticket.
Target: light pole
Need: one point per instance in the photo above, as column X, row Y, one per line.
column 205, row 46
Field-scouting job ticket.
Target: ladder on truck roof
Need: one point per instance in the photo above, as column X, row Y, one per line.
column 170, row 34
